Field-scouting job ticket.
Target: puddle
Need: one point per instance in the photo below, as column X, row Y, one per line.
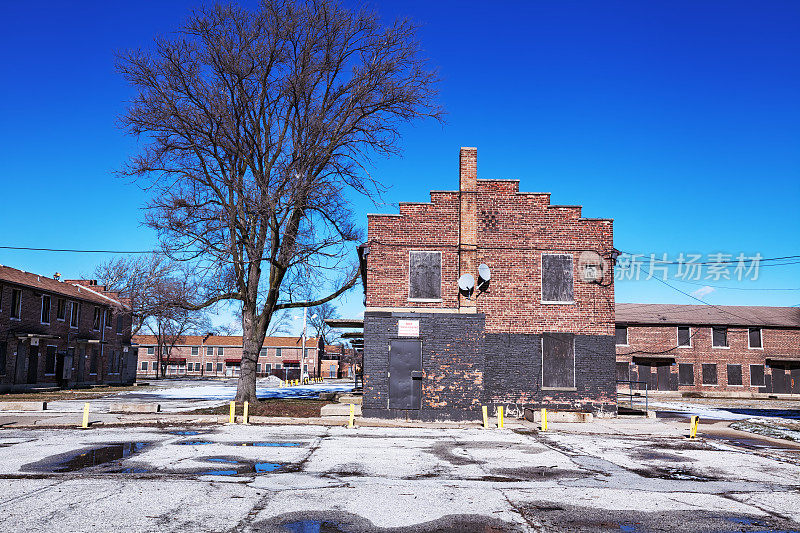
column 96, row 456
column 313, row 526
column 749, row 443
column 259, row 444
column 237, row 467
column 186, row 433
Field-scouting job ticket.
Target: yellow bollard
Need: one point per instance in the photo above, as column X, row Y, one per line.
column 232, row 419
column 85, row 424
column 245, row 415
column 544, row 419
column 693, row 426
column 500, row 416
column 485, row 417
column 352, row 415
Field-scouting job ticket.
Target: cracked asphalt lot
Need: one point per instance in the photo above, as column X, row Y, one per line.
column 607, row 476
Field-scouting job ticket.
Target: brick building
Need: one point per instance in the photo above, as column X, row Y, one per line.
column 221, row 356
column 66, row 333
column 541, row 335
column 709, row 348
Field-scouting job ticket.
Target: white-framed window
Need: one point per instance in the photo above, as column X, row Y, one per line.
column 74, row 314
column 195, row 350
column 61, row 309
column 734, row 375
column 46, row 303
column 263, row 352
column 96, row 319
column 757, row 376
column 151, row 350
column 719, row 337
column 210, row 350
column 709, row 373
column 424, row 276
column 209, row 367
column 16, row 303
column 144, row 366
column 277, row 352
column 684, row 336
column 557, row 279
column 219, row 367
column 109, row 316
column 220, row 351
column 621, row 335
column 267, row 368
column 258, row 368
column 754, row 340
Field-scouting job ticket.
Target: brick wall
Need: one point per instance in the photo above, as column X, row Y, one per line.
column 14, row 372
column 513, row 229
column 514, row 374
column 777, row 342
column 452, row 361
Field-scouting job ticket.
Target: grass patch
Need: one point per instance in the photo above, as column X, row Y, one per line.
column 67, row 394
column 296, row 408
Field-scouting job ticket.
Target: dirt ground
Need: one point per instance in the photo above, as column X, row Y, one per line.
column 300, row 408
column 69, row 394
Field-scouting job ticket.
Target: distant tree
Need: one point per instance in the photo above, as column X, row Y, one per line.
column 256, row 125
column 317, row 316
column 159, row 292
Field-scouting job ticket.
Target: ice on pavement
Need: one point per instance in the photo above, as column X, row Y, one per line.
column 227, row 392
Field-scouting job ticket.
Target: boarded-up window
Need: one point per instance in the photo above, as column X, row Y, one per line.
column 709, row 374
column 757, row 376
column 558, row 360
column 50, row 360
column 754, row 337
column 425, row 275
column 94, row 362
column 734, row 374
column 685, row 374
column 621, row 335
column 623, row 372
column 720, row 337
column 684, row 336
column 557, row 278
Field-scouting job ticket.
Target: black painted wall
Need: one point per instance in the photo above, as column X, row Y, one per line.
column 465, row 368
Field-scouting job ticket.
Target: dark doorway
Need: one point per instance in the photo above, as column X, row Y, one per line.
column 796, row 380
column 20, row 375
column 79, row 365
column 33, row 364
column 60, row 357
column 662, row 373
column 405, row 374
column 781, row 384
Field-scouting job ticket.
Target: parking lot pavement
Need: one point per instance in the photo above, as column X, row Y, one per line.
column 609, row 476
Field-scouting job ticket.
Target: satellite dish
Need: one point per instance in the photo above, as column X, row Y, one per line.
column 484, row 275
column 466, row 284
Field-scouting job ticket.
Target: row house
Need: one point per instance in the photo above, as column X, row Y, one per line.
column 62, row 333
column 221, row 356
column 487, row 296
column 708, row 348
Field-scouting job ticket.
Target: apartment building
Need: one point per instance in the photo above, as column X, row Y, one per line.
column 709, row 348
column 221, row 356
column 65, row 333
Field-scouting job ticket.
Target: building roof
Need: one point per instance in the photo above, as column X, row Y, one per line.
column 718, row 315
column 53, row 286
column 229, row 340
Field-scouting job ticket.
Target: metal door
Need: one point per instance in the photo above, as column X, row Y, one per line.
column 662, row 373
column 795, row 380
column 33, row 364
column 780, row 383
column 20, row 373
column 405, row 374
column 80, row 365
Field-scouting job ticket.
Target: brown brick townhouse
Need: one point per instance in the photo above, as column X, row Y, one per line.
column 709, row 348
column 540, row 333
column 62, row 333
column 221, row 356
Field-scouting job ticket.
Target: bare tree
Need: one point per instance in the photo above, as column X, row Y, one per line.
column 257, row 125
column 158, row 291
column 317, row 316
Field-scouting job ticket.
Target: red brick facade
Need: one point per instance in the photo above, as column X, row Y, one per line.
column 512, row 230
column 44, row 342
column 220, row 356
column 652, row 346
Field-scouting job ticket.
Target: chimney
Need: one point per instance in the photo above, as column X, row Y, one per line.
column 468, row 220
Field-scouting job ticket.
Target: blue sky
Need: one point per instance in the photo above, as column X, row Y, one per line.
column 680, row 120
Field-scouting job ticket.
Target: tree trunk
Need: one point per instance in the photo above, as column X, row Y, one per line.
column 252, row 339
